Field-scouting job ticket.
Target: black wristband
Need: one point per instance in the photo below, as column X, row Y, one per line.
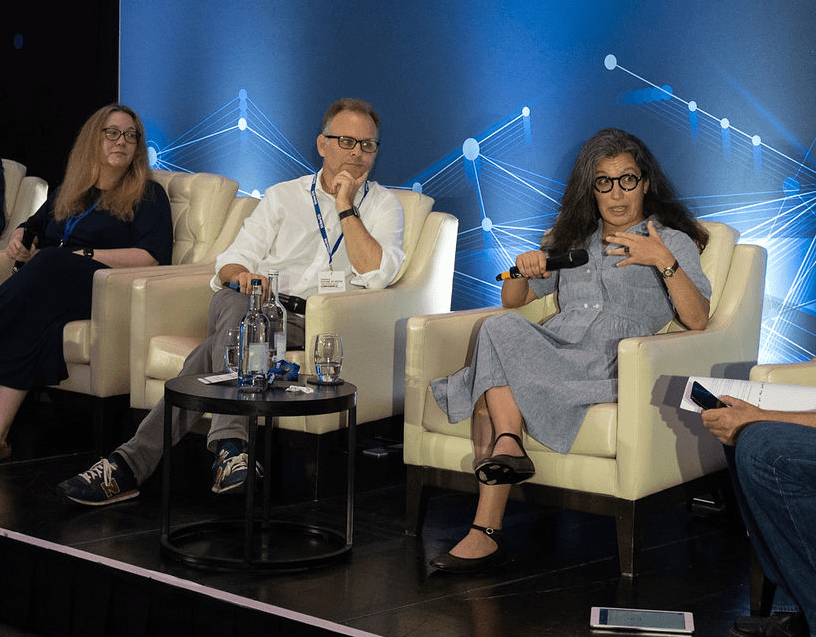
column 88, row 252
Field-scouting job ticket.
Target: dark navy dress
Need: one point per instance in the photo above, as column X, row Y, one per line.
column 54, row 287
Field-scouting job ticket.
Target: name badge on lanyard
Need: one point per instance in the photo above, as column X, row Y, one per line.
column 329, row 281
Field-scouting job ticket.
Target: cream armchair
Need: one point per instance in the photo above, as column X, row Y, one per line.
column 171, row 315
column 97, row 350
column 630, row 457
column 24, row 196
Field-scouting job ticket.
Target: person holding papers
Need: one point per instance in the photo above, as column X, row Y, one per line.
column 772, row 456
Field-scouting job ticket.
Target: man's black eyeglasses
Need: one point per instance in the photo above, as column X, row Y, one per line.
column 347, row 143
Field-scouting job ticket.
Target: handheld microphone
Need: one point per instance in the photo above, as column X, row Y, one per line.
column 27, row 241
column 572, row 259
column 292, row 303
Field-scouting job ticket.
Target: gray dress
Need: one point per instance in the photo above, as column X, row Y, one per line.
column 557, row 370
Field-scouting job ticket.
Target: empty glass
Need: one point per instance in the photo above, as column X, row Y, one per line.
column 328, row 357
column 231, row 349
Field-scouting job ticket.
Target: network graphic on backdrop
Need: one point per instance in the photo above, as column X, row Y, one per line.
column 515, row 204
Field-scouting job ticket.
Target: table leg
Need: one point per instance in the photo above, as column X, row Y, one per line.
column 168, row 427
column 271, row 423
column 249, row 485
column 352, row 448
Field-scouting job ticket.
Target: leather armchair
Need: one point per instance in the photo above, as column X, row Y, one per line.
column 171, row 315
column 97, row 350
column 630, row 457
column 24, row 196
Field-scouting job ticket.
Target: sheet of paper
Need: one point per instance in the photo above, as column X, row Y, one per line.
column 766, row 395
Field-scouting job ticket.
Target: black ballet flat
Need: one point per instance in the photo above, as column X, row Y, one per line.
column 504, row 469
column 470, row 565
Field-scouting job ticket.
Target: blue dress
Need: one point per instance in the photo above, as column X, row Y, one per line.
column 557, row 370
column 54, row 287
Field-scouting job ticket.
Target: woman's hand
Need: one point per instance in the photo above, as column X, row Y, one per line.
column 691, row 306
column 531, row 265
column 641, row 250
column 16, row 251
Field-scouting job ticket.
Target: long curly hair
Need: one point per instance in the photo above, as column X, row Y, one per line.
column 84, row 165
column 579, row 216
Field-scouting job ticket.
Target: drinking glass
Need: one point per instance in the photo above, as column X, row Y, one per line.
column 231, row 349
column 328, row 357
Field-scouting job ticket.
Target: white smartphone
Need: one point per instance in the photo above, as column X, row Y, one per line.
column 654, row 621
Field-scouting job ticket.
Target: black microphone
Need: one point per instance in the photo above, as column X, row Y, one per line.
column 572, row 259
column 27, row 241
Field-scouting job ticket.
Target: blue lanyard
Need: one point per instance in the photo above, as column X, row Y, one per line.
column 322, row 225
column 71, row 222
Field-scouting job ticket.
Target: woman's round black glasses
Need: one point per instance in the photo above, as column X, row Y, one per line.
column 347, row 143
column 626, row 182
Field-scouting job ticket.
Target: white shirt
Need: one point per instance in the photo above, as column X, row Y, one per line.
column 283, row 234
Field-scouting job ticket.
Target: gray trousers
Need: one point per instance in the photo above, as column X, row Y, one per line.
column 144, row 450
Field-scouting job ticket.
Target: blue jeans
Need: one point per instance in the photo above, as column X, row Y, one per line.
column 775, row 465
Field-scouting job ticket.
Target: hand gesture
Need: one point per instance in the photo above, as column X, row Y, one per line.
column 640, row 249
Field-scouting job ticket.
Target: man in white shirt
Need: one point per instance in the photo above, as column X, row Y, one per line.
column 321, row 232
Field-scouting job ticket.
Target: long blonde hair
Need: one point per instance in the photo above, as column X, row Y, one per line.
column 83, row 170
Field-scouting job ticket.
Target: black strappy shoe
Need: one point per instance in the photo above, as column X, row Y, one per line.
column 504, row 469
column 469, row 565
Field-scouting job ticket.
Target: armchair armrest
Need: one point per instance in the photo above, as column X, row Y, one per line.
column 438, row 345
column 651, row 373
column 175, row 304
column 803, row 373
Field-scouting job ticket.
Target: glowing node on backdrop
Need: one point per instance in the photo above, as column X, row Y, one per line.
column 487, row 224
column 692, row 106
column 152, row 156
column 724, row 123
column 256, row 194
column 756, row 140
column 790, row 187
column 242, row 94
column 417, row 187
column 242, row 123
column 470, row 149
column 525, row 112
column 610, row 62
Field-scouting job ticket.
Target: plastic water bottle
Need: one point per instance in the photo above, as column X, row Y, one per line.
column 276, row 314
column 253, row 354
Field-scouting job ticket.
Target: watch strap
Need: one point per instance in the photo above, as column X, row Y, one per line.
column 670, row 271
column 351, row 212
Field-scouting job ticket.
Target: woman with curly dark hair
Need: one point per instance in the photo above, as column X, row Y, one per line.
column 106, row 214
column 643, row 270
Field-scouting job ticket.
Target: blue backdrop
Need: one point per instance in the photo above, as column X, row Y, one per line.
column 485, row 104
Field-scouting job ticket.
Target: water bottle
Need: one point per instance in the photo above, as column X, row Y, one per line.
column 253, row 354
column 276, row 314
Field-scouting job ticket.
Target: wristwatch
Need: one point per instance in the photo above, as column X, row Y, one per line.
column 88, row 252
column 669, row 272
column 353, row 211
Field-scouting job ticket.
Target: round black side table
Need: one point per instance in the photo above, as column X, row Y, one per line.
column 266, row 544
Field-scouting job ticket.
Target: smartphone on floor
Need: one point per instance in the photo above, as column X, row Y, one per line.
column 635, row 619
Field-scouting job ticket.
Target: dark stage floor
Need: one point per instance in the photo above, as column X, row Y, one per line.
column 563, row 562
